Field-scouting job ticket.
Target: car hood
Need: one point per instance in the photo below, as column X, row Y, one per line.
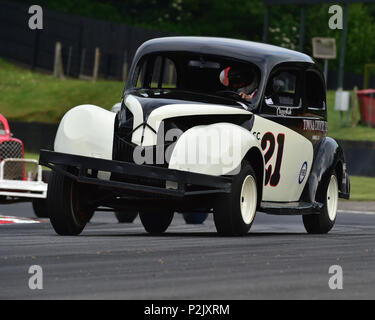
column 151, row 107
column 153, row 99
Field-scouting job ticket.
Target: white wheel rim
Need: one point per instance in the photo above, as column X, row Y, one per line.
column 248, row 199
column 332, row 198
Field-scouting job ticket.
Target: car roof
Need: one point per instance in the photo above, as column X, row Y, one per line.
column 264, row 55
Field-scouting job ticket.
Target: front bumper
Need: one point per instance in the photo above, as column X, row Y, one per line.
column 23, row 189
column 85, row 170
column 13, row 186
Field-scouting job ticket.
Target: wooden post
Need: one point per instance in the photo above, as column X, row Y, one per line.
column 367, row 75
column 354, row 108
column 82, row 66
column 58, row 70
column 56, row 62
column 96, row 65
column 69, row 61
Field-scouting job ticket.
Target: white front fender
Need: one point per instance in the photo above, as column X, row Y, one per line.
column 215, row 149
column 86, row 130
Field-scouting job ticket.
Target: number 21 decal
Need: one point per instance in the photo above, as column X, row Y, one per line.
column 273, row 178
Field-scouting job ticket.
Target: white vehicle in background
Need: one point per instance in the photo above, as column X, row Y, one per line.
column 20, row 179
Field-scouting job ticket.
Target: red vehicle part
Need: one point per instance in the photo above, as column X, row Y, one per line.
column 367, row 106
column 10, row 147
column 15, row 184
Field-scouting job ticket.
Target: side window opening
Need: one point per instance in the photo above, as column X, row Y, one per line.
column 170, row 75
column 140, row 75
column 283, row 89
column 156, row 72
column 315, row 91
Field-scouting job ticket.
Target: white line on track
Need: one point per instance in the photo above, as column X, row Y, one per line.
column 356, row 212
column 14, row 220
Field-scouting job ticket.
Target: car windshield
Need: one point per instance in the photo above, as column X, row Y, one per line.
column 202, row 74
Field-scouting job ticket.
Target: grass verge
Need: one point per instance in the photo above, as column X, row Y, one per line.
column 344, row 131
column 31, row 96
column 362, row 188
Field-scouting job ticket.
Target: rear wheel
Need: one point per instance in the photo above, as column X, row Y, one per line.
column 324, row 222
column 125, row 217
column 67, row 203
column 156, row 223
column 195, row 218
column 40, row 205
column 40, row 208
column 234, row 213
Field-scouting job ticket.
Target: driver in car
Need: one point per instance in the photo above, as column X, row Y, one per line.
column 241, row 80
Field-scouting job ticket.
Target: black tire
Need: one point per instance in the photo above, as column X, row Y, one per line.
column 125, row 217
column 195, row 218
column 40, row 208
column 40, row 205
column 228, row 217
column 67, row 205
column 155, row 222
column 322, row 223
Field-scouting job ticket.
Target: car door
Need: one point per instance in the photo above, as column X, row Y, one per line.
column 288, row 155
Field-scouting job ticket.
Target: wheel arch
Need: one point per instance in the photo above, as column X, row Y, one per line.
column 241, row 144
column 343, row 179
column 328, row 157
column 255, row 157
column 78, row 132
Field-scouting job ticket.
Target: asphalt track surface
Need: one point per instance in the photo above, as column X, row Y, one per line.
column 277, row 260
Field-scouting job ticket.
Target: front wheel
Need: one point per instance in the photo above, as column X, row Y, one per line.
column 234, row 213
column 125, row 217
column 155, row 222
column 40, row 205
column 324, row 222
column 67, row 204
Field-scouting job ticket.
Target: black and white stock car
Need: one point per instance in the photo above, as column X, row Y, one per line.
column 213, row 125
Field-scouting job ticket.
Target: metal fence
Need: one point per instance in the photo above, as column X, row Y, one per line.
column 79, row 37
column 35, row 135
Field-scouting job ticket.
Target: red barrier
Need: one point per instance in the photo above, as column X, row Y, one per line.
column 367, row 106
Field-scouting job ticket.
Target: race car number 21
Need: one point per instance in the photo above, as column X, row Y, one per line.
column 272, row 176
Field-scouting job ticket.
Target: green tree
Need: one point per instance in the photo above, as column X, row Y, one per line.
column 236, row 19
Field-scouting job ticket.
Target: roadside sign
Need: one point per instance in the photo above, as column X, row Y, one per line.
column 324, row 48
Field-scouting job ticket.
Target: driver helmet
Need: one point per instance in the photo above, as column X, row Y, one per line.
column 237, row 77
